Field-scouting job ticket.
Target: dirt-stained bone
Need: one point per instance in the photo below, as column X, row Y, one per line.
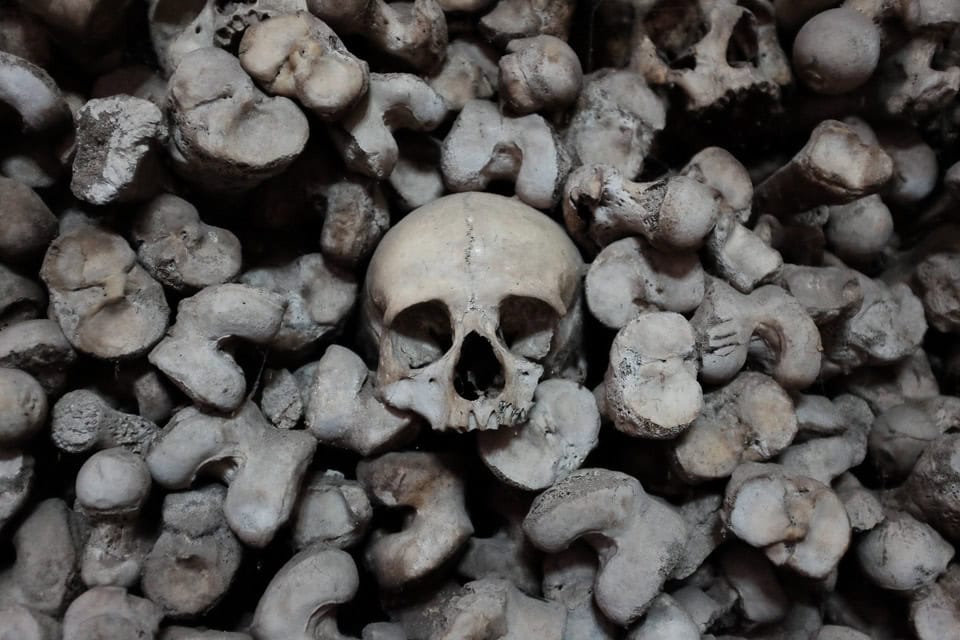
column 190, row 354
column 119, row 140
column 438, row 527
column 561, row 430
column 750, row 419
column 318, row 297
column 299, row 56
column 540, row 73
column 261, row 465
column 414, row 32
column 107, row 305
column 638, row 538
column 470, row 357
column 226, row 134
column 194, row 560
column 835, row 167
column 179, row 249
column 485, row 145
column 600, row 206
column 28, row 225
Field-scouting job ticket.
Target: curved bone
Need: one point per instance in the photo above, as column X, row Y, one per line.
column 394, row 101
column 638, row 538
column 190, row 355
column 439, row 527
column 727, row 322
column 629, row 277
column 561, row 430
column 262, row 465
column 32, row 93
column 484, row 145
column 497, row 610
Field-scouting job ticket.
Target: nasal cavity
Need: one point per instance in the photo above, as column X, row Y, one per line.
column 478, row 373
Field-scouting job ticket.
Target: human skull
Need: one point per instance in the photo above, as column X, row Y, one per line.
column 471, row 300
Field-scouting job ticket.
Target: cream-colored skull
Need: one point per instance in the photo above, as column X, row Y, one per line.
column 470, row 301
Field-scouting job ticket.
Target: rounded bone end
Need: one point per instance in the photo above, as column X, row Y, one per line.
column 27, row 226
column 651, row 384
column 113, row 481
column 903, row 554
column 23, row 406
column 110, row 612
column 561, row 431
column 836, row 51
column 539, row 73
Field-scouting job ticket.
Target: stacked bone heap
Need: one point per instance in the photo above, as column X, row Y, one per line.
column 479, row 319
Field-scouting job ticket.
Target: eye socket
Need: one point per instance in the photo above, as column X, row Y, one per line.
column 421, row 334
column 527, row 326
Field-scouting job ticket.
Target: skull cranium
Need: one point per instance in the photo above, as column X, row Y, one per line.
column 470, row 301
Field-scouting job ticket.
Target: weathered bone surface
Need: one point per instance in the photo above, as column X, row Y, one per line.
column 226, row 133
column 430, row 485
column 118, row 150
column 466, row 329
column 194, row 529
column 485, row 145
column 299, row 56
column 728, row 286
column 263, row 466
column 650, row 389
column 341, row 409
column 107, row 305
column 179, row 249
column 559, row 433
column 600, row 206
column 638, row 538
column 318, row 297
column 190, row 354
column 365, row 136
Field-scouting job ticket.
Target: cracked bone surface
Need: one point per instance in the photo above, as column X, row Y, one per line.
column 311, row 312
column 466, row 328
column 650, row 389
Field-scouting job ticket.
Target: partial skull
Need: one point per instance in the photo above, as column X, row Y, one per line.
column 470, row 301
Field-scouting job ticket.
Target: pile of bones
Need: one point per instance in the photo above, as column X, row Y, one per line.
column 479, row 319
